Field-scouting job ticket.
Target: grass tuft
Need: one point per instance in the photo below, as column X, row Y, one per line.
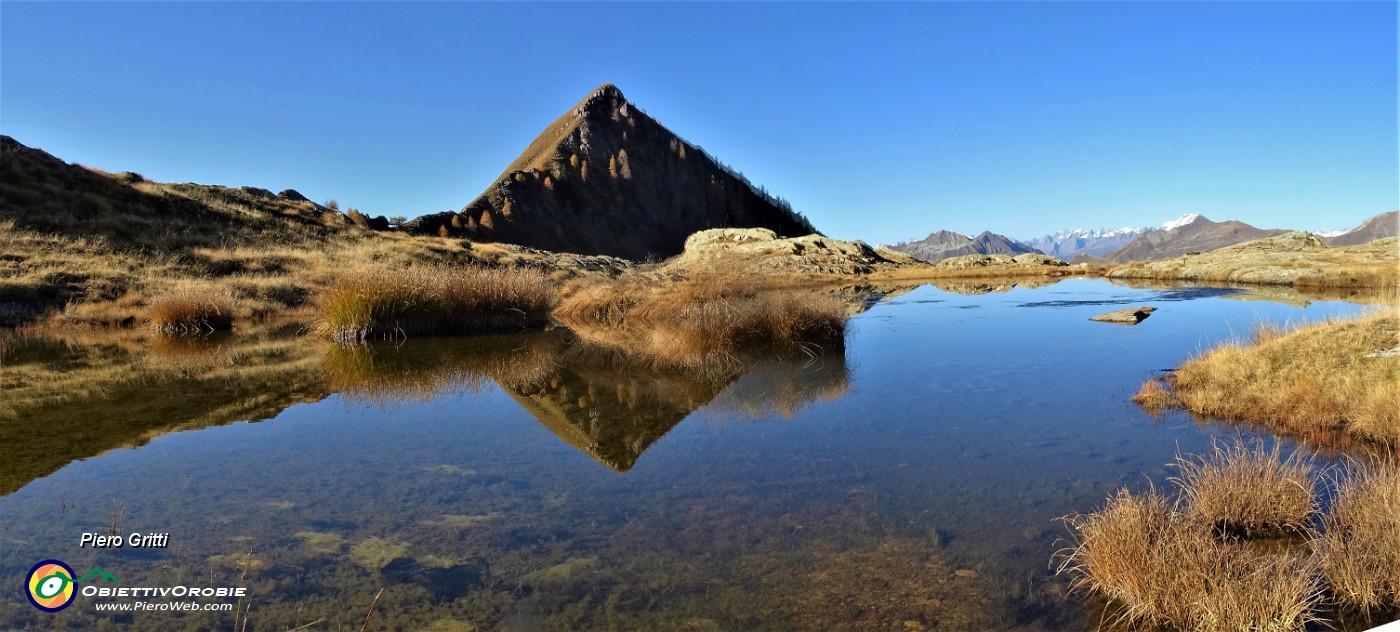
column 190, row 312
column 1162, row 568
column 421, row 300
column 1359, row 546
column 1153, row 396
column 1250, row 491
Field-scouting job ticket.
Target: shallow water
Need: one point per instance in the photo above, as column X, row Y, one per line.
column 910, row 481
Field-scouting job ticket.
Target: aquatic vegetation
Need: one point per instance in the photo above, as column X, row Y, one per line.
column 376, row 553
column 458, row 521
column 1335, row 374
column 1249, row 490
column 1359, row 545
column 321, row 542
column 425, row 300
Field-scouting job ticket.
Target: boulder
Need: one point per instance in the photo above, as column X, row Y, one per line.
column 1130, row 316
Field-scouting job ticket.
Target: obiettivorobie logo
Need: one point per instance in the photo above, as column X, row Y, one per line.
column 50, row 585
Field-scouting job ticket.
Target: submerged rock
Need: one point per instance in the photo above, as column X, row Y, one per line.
column 1130, row 316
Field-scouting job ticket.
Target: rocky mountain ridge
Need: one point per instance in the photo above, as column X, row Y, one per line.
column 605, row 178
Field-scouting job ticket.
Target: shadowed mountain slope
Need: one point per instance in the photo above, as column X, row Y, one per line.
column 605, row 178
column 1198, row 235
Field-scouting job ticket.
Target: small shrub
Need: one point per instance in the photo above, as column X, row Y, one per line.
column 187, row 312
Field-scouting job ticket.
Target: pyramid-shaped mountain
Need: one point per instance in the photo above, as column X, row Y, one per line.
column 607, row 179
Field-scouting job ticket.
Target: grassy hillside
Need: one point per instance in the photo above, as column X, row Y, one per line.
column 79, row 246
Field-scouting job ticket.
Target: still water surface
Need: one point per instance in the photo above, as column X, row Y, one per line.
column 911, row 481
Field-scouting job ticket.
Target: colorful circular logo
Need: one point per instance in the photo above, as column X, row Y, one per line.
column 50, row 585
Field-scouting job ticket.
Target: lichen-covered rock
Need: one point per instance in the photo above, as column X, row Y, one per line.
column 761, row 250
column 1033, row 259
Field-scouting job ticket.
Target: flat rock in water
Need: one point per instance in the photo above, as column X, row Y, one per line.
column 1130, row 316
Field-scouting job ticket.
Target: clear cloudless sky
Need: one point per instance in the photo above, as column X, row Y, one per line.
column 879, row 121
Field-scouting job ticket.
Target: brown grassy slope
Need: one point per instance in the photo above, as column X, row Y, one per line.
column 1333, row 375
column 606, row 178
column 1297, row 258
column 83, row 247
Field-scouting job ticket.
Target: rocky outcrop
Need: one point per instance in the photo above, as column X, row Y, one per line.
column 969, row 262
column 761, row 250
column 606, row 178
column 1130, row 316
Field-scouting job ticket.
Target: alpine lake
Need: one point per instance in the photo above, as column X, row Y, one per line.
column 912, row 480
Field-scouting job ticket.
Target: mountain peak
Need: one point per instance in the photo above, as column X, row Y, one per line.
column 606, row 178
column 1189, row 218
column 606, row 98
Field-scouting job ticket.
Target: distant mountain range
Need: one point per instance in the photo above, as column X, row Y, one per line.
column 1190, row 233
column 1186, row 234
column 944, row 244
column 1068, row 244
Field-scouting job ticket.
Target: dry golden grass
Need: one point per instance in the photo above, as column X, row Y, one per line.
column 1164, row 562
column 1248, row 490
column 701, row 319
column 1331, row 375
column 384, row 303
column 1161, row 568
column 1282, row 260
column 1153, row 396
column 191, row 312
column 1359, row 546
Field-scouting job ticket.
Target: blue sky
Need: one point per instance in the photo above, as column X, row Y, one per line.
column 879, row 121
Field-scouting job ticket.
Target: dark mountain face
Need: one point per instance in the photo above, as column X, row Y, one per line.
column 944, row 244
column 1375, row 227
column 605, row 178
column 1200, row 235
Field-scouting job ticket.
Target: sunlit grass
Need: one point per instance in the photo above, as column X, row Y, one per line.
column 384, row 303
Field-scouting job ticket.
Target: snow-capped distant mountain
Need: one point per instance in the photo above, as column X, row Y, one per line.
column 1181, row 221
column 1329, row 233
column 1067, row 244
